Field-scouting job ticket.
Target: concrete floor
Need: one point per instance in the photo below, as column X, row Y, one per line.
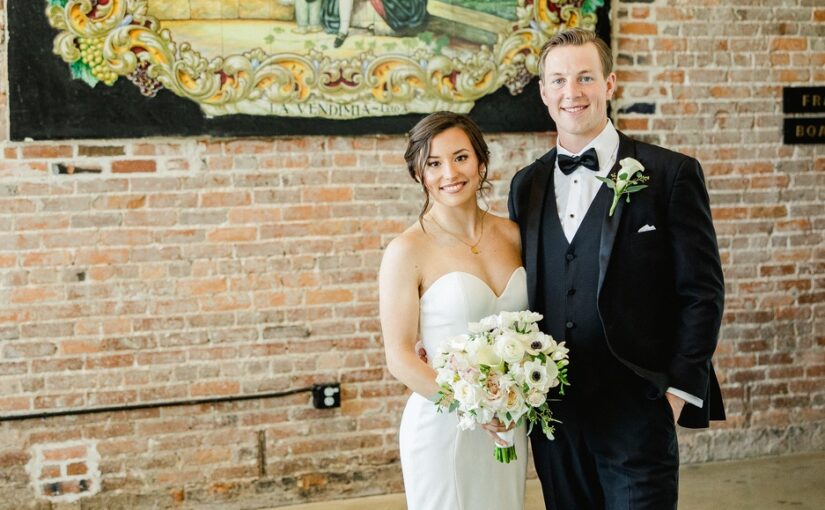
column 789, row 482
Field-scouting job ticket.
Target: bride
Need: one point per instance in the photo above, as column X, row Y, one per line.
column 455, row 265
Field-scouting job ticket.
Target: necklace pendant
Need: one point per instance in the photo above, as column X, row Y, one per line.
column 474, row 250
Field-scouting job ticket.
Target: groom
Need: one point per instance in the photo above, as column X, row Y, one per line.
column 637, row 294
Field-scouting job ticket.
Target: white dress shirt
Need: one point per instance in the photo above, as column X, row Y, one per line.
column 575, row 193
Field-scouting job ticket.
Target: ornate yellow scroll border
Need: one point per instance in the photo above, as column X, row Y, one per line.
column 104, row 40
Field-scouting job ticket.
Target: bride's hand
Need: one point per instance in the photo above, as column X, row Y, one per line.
column 420, row 351
column 493, row 428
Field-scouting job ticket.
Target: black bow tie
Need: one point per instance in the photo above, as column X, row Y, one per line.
column 588, row 159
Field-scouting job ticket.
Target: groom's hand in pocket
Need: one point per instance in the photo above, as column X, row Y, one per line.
column 676, row 405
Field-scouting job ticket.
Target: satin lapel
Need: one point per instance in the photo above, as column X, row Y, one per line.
column 538, row 194
column 610, row 225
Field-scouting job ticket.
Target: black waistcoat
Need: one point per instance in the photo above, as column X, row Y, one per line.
column 568, row 290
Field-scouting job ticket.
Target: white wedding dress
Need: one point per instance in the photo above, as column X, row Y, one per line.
column 446, row 468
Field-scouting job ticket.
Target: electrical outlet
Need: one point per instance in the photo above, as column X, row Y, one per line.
column 326, row 396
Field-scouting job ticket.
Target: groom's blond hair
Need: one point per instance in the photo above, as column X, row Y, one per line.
column 577, row 37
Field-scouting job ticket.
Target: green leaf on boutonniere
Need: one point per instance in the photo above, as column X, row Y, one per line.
column 629, row 180
column 635, row 187
column 607, row 181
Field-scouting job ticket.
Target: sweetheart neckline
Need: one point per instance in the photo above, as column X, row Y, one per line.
column 487, row 285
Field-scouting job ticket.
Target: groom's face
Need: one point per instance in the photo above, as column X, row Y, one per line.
column 575, row 90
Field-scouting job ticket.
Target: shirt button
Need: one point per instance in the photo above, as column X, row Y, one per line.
column 569, row 324
column 575, row 181
column 571, row 292
column 570, row 256
column 572, row 215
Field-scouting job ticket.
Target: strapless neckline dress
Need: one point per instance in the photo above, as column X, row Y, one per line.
column 445, row 468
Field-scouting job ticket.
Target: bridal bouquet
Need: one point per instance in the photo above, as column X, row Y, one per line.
column 504, row 368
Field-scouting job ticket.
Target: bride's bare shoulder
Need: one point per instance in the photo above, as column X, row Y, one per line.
column 507, row 229
column 405, row 248
column 504, row 225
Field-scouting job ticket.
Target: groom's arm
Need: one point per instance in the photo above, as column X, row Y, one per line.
column 698, row 277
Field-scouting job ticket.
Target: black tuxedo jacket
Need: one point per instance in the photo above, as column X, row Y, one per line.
column 661, row 292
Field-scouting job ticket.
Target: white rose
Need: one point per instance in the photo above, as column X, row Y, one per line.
column 515, row 403
column 509, row 347
column 466, row 394
column 474, row 344
column 487, row 355
column 536, row 398
column 536, row 375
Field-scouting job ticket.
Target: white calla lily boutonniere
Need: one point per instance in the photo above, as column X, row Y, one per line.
column 629, row 180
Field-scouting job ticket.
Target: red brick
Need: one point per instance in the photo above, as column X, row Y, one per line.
column 791, row 75
column 789, row 44
column 201, row 287
column 639, row 124
column 134, row 166
column 255, row 215
column 638, row 28
column 314, row 195
column 225, row 199
column 329, row 296
column 640, row 12
column 94, row 151
column 628, row 76
column 76, row 468
column 215, row 388
column 46, row 151
column 50, row 471
column 777, row 211
column 232, row 234
column 33, row 295
column 66, row 453
column 777, row 270
column 42, row 222
column 112, row 361
column 671, row 76
column 14, row 403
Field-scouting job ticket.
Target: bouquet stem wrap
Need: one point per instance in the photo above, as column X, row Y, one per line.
column 506, row 454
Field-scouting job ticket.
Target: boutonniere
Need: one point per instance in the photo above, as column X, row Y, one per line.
column 629, row 180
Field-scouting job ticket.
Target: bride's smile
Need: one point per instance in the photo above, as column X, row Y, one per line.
column 452, row 172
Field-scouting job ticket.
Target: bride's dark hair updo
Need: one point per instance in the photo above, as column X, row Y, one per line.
column 420, row 138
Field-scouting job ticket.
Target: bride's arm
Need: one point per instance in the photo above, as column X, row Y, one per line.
column 398, row 281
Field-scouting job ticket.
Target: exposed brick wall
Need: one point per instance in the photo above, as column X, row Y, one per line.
column 183, row 268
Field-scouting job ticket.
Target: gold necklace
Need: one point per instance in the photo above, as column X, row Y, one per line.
column 473, row 247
